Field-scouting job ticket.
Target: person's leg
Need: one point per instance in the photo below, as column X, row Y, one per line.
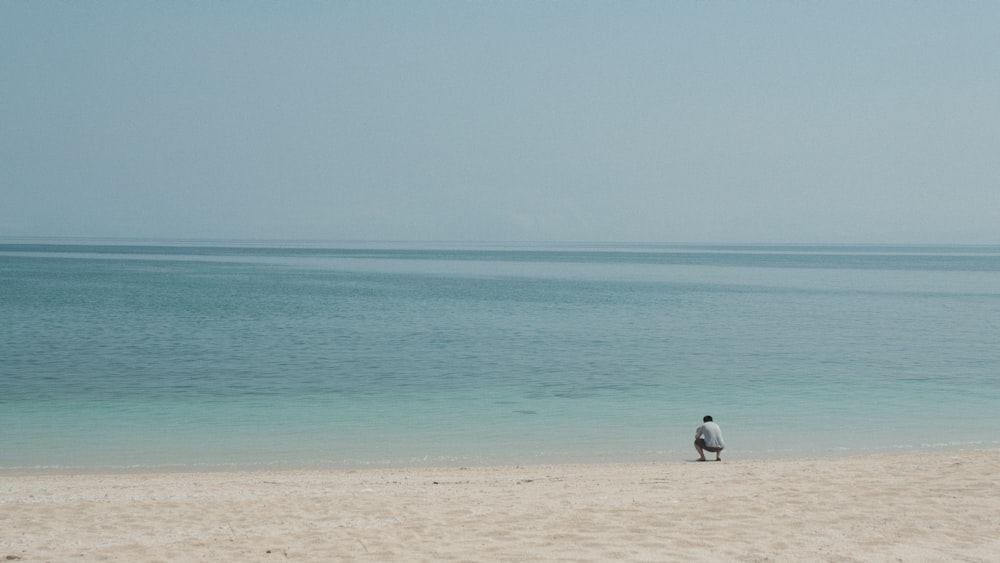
column 701, row 452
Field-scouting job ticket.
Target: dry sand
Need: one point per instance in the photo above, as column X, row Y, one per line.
column 919, row 506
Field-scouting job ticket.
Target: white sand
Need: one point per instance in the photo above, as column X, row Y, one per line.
column 939, row 506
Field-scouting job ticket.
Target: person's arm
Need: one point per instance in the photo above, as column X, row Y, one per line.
column 697, row 432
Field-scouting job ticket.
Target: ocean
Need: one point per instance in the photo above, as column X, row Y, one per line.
column 248, row 354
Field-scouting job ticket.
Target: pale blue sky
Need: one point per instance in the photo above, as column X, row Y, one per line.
column 502, row 121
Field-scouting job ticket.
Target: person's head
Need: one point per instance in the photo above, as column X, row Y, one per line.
column 707, row 419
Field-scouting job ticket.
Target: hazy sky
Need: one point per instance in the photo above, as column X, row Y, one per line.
column 502, row 121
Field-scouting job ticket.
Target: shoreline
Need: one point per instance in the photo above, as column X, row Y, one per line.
column 911, row 506
column 332, row 466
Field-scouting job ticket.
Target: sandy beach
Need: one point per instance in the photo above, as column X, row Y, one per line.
column 916, row 506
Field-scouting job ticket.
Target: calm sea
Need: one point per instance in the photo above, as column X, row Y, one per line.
column 360, row 354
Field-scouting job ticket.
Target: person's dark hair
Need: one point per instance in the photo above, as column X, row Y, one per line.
column 707, row 419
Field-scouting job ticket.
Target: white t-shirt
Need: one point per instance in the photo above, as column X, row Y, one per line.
column 712, row 434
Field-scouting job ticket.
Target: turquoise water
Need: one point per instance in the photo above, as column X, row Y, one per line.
column 379, row 354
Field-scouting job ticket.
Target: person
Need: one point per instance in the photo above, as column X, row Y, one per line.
column 708, row 438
